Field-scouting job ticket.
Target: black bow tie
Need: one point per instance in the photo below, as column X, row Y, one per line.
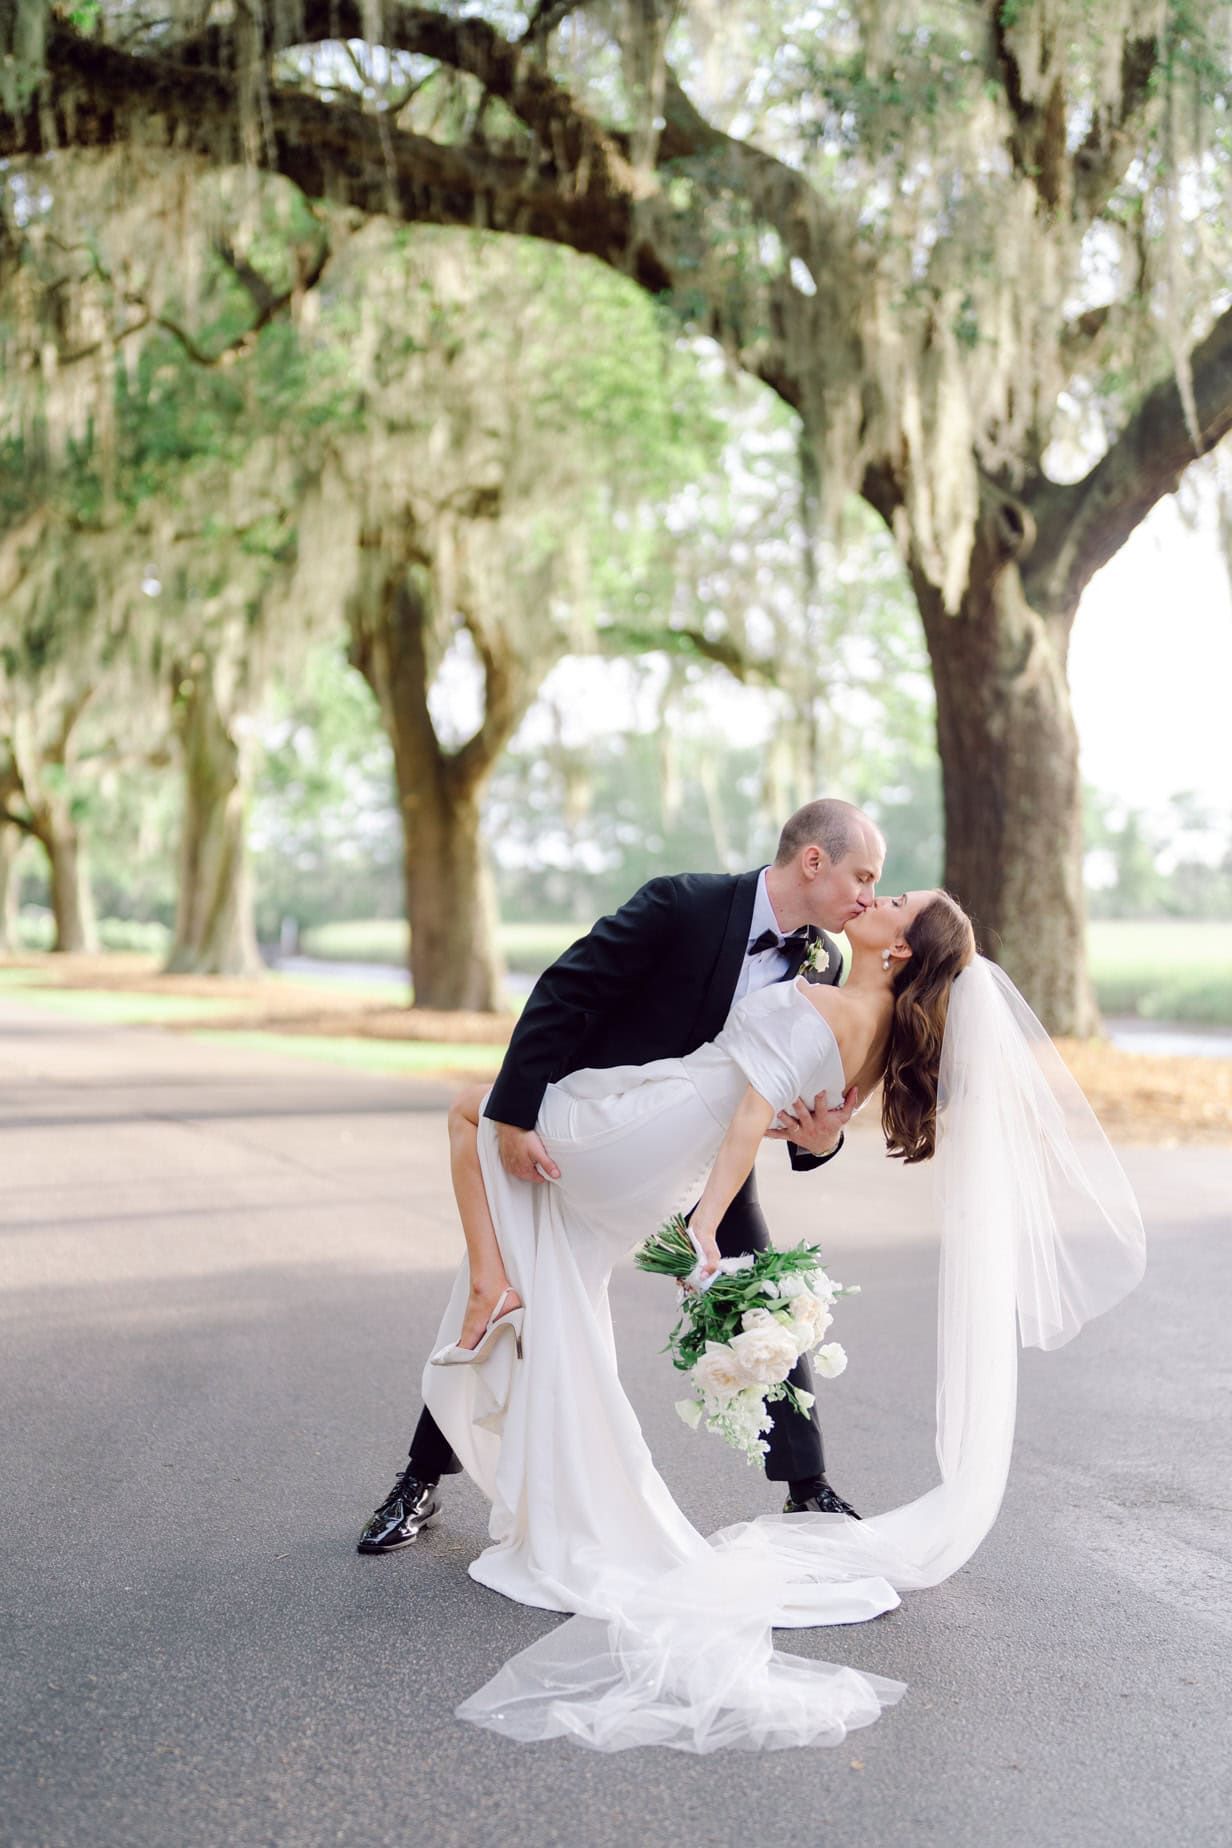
column 770, row 940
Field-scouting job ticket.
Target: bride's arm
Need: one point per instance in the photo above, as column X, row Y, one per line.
column 731, row 1169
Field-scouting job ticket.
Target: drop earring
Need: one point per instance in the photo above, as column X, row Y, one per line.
column 885, row 961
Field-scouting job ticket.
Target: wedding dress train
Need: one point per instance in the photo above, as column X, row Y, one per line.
column 670, row 1642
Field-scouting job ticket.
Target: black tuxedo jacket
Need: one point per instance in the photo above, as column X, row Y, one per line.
column 653, row 981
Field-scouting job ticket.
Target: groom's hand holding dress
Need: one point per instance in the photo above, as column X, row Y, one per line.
column 523, row 1154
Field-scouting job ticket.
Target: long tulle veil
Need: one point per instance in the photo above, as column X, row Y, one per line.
column 1040, row 1232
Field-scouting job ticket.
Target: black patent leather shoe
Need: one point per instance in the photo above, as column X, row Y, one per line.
column 823, row 1501
column 401, row 1517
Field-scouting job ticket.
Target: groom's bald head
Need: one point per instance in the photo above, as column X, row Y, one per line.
column 838, row 828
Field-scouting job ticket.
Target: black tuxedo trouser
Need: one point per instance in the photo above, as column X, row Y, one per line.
column 795, row 1439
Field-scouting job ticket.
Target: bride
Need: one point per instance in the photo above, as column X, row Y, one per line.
column 670, row 1642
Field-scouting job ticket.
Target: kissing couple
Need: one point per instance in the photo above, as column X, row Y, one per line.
column 650, row 1062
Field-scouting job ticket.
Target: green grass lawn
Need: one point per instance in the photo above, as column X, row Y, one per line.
column 113, row 1009
column 1159, row 970
column 529, row 947
column 1163, row 971
column 369, row 1055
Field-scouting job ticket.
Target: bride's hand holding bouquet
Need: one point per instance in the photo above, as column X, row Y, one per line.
column 744, row 1323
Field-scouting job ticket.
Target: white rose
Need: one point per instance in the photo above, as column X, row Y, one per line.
column 756, row 1318
column 830, row 1360
column 719, row 1373
column 766, row 1354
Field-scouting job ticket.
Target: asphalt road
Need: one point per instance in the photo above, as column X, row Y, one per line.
column 220, row 1272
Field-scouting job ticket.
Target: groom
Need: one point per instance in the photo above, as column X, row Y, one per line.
column 655, row 981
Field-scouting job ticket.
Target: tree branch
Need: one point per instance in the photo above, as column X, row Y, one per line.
column 1083, row 183
column 1103, row 158
column 622, row 638
column 1082, row 526
column 566, row 132
column 547, row 16
column 7, row 816
column 580, row 190
column 1037, row 144
column 792, row 205
column 510, row 683
column 268, row 302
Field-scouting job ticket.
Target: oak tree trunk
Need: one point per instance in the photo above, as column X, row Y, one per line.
column 1012, row 789
column 450, row 905
column 72, row 898
column 214, row 929
column 11, row 843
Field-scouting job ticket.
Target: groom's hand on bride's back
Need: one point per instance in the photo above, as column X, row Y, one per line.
column 815, row 1126
column 523, row 1154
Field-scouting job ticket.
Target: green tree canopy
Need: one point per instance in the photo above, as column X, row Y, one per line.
column 981, row 250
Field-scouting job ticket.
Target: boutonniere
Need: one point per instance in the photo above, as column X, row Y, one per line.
column 816, row 958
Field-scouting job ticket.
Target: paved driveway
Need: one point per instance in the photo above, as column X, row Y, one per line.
column 220, row 1272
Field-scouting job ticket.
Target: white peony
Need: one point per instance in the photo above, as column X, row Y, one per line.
column 766, row 1354
column 812, row 1315
column 830, row 1360
column 757, row 1318
column 824, row 1286
column 719, row 1373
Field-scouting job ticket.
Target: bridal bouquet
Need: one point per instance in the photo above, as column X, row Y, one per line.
column 742, row 1331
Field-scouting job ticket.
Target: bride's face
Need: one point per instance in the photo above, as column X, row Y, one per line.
column 884, row 924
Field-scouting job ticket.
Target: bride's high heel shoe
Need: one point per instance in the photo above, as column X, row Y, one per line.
column 456, row 1356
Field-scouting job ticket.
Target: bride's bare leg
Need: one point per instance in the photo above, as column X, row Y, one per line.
column 487, row 1267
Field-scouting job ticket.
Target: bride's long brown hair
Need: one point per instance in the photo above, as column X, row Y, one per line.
column 942, row 942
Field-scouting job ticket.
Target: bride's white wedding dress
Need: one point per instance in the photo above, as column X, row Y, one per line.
column 671, row 1638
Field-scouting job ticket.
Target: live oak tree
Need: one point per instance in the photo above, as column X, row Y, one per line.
column 980, row 249
column 519, row 414
column 58, row 646
column 403, row 454
column 151, row 512
column 11, row 844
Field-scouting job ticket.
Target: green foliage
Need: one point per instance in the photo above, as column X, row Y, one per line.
column 37, row 931
column 324, row 832
column 1175, row 861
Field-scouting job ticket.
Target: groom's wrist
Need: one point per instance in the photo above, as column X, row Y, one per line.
column 804, row 1159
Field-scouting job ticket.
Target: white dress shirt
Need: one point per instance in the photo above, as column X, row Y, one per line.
column 768, row 965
